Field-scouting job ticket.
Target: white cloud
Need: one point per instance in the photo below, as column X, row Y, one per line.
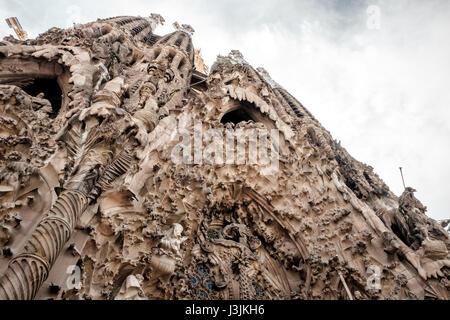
column 384, row 93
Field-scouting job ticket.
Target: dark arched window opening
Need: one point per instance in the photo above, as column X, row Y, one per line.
column 236, row 116
column 156, row 53
column 51, row 90
column 182, row 63
column 179, row 41
column 401, row 235
column 171, row 56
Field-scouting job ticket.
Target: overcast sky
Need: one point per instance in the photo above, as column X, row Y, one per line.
column 375, row 73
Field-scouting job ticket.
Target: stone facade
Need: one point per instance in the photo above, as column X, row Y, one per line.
column 93, row 204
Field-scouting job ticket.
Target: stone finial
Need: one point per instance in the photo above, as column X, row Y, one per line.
column 184, row 27
column 237, row 56
column 155, row 20
column 233, row 58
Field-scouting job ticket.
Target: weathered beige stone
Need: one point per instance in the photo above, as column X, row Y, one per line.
column 93, row 203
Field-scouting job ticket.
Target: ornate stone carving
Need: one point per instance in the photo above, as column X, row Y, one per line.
column 96, row 166
column 131, row 289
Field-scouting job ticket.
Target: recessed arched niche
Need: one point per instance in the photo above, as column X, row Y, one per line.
column 236, row 116
column 235, row 112
column 242, row 111
column 37, row 76
column 51, row 90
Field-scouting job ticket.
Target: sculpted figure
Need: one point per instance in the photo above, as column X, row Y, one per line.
column 131, row 289
column 172, row 241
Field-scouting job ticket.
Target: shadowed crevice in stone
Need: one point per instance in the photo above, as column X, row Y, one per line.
column 50, row 89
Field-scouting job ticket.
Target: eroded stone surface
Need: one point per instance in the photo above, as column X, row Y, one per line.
column 88, row 183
